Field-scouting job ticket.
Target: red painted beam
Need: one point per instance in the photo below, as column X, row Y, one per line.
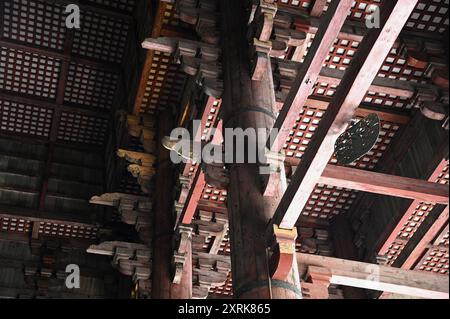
column 194, row 197
column 407, row 215
column 198, row 134
column 360, row 75
column 385, row 184
column 317, row 8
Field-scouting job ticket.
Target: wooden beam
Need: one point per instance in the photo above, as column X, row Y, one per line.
column 199, row 182
column 384, row 184
column 360, row 75
column 352, row 29
column 379, row 278
column 109, row 12
column 64, row 57
column 395, row 87
column 195, row 194
column 323, row 103
column 52, row 105
column 326, row 35
column 317, row 8
column 32, row 215
column 427, row 232
column 407, row 215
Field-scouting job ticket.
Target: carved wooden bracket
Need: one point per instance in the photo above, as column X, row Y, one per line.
column 182, row 246
column 283, row 254
column 317, row 283
column 184, row 184
column 129, row 258
column 204, row 16
column 209, row 271
column 197, row 60
column 433, row 103
column 141, row 167
column 142, row 127
column 134, row 210
column 206, row 74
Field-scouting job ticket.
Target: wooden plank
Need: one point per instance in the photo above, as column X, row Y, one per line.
column 379, row 278
column 326, row 35
column 360, row 75
column 384, row 184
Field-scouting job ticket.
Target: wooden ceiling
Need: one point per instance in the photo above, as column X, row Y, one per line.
column 423, row 33
column 62, row 84
column 62, row 87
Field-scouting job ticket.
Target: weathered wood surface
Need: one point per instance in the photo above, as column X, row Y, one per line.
column 249, row 212
column 376, row 277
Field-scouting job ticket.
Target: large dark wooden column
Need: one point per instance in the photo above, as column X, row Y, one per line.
column 162, row 285
column 248, row 104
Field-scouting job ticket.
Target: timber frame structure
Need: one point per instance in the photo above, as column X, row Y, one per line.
column 85, row 178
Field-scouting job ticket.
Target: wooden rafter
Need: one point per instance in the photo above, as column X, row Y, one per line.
column 328, row 30
column 360, row 75
column 384, row 184
column 376, row 277
column 434, row 226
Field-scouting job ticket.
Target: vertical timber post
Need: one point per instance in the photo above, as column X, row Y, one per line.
column 249, row 104
column 163, row 286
